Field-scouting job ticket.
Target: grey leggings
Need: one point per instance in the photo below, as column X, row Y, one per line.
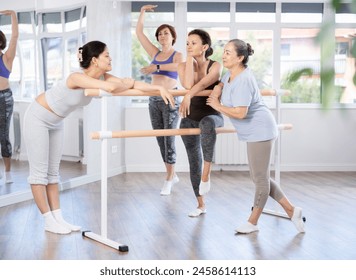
column 164, row 117
column 195, row 144
column 6, row 109
column 43, row 135
column 259, row 156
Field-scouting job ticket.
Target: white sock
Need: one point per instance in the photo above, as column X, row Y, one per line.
column 57, row 214
column 8, row 178
column 204, row 187
column 52, row 225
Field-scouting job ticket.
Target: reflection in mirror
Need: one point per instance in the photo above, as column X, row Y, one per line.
column 45, row 53
column 68, row 170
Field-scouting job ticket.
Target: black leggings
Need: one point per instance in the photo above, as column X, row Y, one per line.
column 195, row 144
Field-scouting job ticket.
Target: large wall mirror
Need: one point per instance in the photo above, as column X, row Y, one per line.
column 46, row 52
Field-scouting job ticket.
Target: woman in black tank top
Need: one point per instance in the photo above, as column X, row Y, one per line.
column 197, row 74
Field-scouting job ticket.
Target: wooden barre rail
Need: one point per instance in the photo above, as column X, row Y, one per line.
column 164, row 132
column 176, row 92
column 153, row 133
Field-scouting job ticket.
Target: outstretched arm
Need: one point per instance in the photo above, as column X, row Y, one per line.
column 150, row 48
column 113, row 84
column 10, row 53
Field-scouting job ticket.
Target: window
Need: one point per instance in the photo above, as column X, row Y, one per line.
column 52, row 51
column 72, row 19
column 285, row 49
column 208, row 12
column 164, row 12
column 345, row 14
column 303, row 53
column 29, row 80
column 345, row 53
column 255, row 12
column 261, row 61
column 293, row 25
column 52, row 22
column 63, row 32
column 302, row 12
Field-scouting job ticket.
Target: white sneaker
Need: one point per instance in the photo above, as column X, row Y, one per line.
column 8, row 178
column 197, row 212
column 246, row 228
column 297, row 219
column 175, row 179
column 167, row 186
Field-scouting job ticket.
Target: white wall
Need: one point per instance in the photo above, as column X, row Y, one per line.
column 320, row 140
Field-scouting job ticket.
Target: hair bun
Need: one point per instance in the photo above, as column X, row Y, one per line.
column 80, row 54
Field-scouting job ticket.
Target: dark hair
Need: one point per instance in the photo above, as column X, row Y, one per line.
column 2, row 40
column 171, row 29
column 242, row 49
column 205, row 38
column 88, row 51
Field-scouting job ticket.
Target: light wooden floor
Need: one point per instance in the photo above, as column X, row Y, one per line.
column 19, row 171
column 156, row 227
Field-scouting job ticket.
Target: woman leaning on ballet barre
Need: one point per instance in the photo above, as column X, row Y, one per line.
column 43, row 126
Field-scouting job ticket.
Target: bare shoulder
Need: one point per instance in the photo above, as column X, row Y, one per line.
column 178, row 57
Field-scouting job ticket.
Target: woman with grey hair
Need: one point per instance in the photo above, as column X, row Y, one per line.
column 242, row 102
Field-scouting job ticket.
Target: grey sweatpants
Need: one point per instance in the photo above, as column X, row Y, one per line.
column 259, row 156
column 195, row 144
column 43, row 135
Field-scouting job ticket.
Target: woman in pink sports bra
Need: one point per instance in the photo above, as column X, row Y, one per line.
column 6, row 98
column 163, row 69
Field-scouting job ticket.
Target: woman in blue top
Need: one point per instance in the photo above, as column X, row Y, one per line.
column 164, row 72
column 242, row 102
column 6, row 98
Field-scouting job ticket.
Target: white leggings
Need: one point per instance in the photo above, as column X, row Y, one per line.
column 43, row 135
column 259, row 157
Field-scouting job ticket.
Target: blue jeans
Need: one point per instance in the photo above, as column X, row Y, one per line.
column 6, row 109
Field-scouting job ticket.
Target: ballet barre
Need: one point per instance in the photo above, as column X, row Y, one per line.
column 104, row 135
column 97, row 135
column 175, row 92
